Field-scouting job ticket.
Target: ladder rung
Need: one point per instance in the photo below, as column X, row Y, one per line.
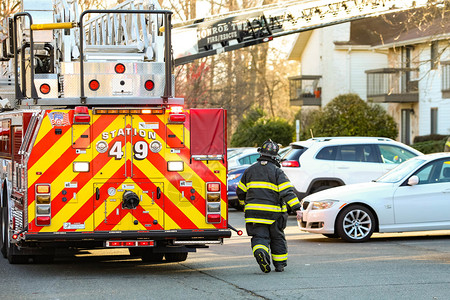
column 112, row 49
column 115, row 56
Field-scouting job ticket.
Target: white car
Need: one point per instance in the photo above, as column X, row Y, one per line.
column 415, row 196
column 321, row 163
column 247, row 156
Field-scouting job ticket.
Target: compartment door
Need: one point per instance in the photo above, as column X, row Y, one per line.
column 150, row 212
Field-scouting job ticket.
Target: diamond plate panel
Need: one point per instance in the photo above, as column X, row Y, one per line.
column 133, row 79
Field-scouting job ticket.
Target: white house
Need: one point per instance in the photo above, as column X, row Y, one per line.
column 385, row 60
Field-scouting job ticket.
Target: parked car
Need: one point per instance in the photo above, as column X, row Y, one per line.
column 412, row 197
column 233, row 178
column 283, row 151
column 231, row 152
column 321, row 163
column 246, row 157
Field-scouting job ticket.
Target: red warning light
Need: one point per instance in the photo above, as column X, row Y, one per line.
column 94, row 85
column 45, row 89
column 119, row 68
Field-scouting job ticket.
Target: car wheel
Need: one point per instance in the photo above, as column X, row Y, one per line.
column 355, row 223
column 176, row 256
column 331, row 235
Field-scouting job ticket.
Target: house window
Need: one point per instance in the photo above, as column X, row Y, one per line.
column 434, row 120
column 434, row 54
column 406, row 127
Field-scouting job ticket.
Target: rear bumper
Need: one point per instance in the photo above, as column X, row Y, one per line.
column 198, row 235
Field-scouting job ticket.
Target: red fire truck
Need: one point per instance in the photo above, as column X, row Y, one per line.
column 95, row 151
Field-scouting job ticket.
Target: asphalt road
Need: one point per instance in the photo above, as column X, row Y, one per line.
column 390, row 266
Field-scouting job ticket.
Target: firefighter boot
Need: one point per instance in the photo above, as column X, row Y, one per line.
column 263, row 260
column 279, row 268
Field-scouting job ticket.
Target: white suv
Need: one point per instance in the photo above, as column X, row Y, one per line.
column 321, row 163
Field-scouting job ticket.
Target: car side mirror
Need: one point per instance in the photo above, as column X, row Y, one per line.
column 413, row 180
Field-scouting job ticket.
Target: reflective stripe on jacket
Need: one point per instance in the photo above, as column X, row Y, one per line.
column 265, row 189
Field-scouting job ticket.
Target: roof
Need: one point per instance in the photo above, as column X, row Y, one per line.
column 405, row 27
column 433, row 156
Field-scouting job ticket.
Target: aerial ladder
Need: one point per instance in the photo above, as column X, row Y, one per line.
column 216, row 34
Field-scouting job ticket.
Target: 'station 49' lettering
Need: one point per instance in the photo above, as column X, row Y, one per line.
column 140, row 150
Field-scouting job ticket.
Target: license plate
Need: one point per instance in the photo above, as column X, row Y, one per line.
column 300, row 216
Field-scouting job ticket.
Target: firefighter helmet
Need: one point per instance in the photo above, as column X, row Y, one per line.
column 269, row 148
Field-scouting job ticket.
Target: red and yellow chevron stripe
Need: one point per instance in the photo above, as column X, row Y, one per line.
column 123, row 152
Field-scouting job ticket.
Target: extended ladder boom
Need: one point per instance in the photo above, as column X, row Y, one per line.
column 199, row 38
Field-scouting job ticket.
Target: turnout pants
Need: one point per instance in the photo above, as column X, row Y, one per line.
column 270, row 239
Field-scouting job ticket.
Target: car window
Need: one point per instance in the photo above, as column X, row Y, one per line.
column 394, row 155
column 445, row 172
column 294, row 153
column 435, row 172
column 424, row 174
column 327, row 153
column 248, row 160
column 359, row 153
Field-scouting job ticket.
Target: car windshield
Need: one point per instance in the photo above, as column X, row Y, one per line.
column 401, row 171
column 294, row 153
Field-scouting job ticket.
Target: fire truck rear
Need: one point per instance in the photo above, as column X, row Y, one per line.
column 95, row 150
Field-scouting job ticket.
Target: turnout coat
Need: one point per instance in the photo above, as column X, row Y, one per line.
column 265, row 191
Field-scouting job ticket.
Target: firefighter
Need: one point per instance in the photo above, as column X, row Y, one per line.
column 265, row 190
column 447, row 145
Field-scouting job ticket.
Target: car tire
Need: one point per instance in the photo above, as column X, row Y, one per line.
column 176, row 256
column 355, row 224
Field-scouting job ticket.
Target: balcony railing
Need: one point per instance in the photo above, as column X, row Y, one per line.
column 445, row 79
column 305, row 90
column 392, row 85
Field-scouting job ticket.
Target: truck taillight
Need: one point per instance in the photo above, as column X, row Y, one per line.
column 43, row 220
column 43, row 206
column 213, row 218
column 141, row 243
column 213, row 186
column 81, row 115
column 177, row 118
column 213, row 205
column 43, row 188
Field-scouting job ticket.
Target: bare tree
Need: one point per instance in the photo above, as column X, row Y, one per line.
column 7, row 9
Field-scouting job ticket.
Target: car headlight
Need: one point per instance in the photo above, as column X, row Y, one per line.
column 233, row 176
column 322, row 204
